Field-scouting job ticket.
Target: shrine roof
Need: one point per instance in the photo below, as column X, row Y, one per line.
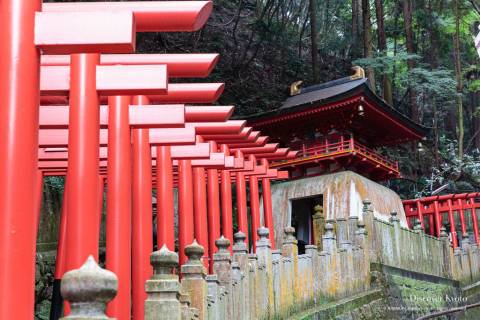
column 332, row 100
column 320, row 92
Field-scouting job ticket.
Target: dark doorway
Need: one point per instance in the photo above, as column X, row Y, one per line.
column 302, row 211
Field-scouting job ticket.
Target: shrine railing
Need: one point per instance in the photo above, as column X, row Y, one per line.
column 450, row 209
column 318, row 150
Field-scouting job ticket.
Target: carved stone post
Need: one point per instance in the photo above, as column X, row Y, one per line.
column 361, row 242
column 212, row 298
column 163, row 288
column 222, row 268
column 417, row 226
column 367, row 217
column 290, row 250
column 342, row 234
column 446, row 252
column 193, row 281
column 318, row 226
column 312, row 251
column 352, row 228
column 240, row 256
column 185, row 306
column 396, row 227
column 240, row 250
column 237, row 292
column 361, row 235
column 329, row 265
column 329, row 239
column 265, row 259
column 88, row 289
column 252, row 279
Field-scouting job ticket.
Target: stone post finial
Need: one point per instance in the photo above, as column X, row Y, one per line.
column 222, row 244
column 239, row 237
column 329, row 230
column 318, row 210
column 88, row 289
column 443, row 234
column 239, row 242
column 194, row 252
column 163, row 287
column 417, row 226
column 289, row 235
column 367, row 205
column 394, row 217
column 263, row 232
column 263, row 240
column 163, row 261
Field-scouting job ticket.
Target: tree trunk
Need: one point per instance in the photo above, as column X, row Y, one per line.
column 313, row 39
column 356, row 26
column 407, row 16
column 458, row 77
column 367, row 40
column 476, row 120
column 382, row 46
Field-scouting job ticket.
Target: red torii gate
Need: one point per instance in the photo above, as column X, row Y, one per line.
column 434, row 207
column 84, row 80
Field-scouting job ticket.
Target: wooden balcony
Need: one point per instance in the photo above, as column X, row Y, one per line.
column 347, row 154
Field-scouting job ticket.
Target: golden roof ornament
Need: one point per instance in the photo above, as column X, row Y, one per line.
column 295, row 88
column 359, row 73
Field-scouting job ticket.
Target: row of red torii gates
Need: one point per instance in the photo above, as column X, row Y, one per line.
column 443, row 208
column 75, row 102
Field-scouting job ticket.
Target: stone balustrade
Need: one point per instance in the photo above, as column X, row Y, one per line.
column 276, row 283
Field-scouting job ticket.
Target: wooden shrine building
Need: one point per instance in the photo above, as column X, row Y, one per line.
column 336, row 126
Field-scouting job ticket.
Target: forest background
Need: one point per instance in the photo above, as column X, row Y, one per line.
column 419, row 56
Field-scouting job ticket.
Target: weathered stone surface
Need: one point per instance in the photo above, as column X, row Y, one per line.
column 342, row 192
column 318, row 222
column 88, row 289
column 163, row 288
column 193, row 281
column 222, row 268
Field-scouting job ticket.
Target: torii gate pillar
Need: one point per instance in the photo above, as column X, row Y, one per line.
column 142, row 226
column 19, row 98
column 83, row 170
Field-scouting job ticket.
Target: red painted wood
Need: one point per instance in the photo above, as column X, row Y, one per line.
column 177, row 93
column 226, row 201
column 254, row 210
column 80, row 31
column 165, row 207
column 200, row 211
column 185, row 208
column 213, row 212
column 83, row 172
column 196, row 65
column 142, row 228
column 155, row 116
column 119, row 204
column 110, row 80
column 19, row 80
column 150, row 16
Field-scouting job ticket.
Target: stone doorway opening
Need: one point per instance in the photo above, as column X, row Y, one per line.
column 303, row 210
